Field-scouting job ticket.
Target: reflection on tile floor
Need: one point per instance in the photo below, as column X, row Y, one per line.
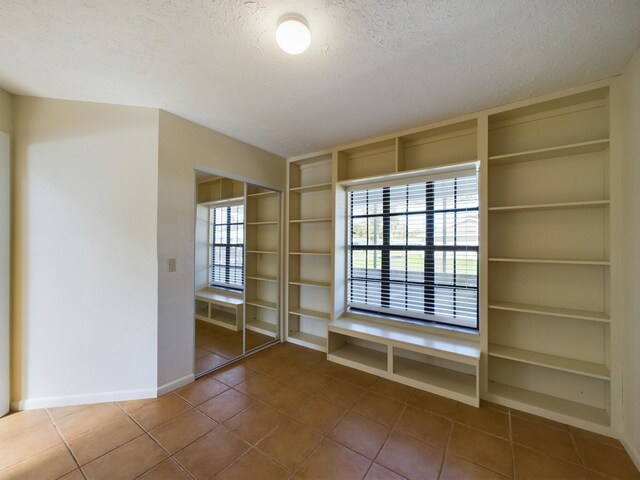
column 216, row 345
column 287, row 413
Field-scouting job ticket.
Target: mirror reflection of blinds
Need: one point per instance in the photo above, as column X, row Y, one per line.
column 226, row 246
column 413, row 250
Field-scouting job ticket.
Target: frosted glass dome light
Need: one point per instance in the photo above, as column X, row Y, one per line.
column 293, row 35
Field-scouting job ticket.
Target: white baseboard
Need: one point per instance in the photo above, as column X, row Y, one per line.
column 49, row 402
column 632, row 451
column 179, row 382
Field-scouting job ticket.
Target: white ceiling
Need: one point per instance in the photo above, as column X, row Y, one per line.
column 374, row 66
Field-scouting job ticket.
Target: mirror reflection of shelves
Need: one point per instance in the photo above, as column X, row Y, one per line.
column 262, row 240
column 549, row 259
column 310, row 232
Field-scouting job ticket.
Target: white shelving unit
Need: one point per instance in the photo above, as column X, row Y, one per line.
column 262, row 260
column 550, row 232
column 549, row 259
column 309, row 263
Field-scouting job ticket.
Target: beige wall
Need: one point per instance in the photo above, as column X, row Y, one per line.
column 85, row 252
column 183, row 147
column 631, row 131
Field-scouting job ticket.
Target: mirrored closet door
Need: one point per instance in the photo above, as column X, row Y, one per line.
column 237, row 266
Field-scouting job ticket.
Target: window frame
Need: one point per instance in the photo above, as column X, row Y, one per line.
column 211, row 245
column 438, row 173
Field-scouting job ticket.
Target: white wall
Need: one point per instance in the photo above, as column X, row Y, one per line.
column 184, row 146
column 631, row 382
column 85, row 272
column 6, row 128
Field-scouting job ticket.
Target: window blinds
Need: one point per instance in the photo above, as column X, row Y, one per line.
column 413, row 249
column 226, row 247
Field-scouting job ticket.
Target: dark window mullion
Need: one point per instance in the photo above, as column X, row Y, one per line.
column 385, row 267
column 429, row 258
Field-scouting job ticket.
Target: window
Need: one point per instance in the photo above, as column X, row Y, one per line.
column 226, row 245
column 413, row 249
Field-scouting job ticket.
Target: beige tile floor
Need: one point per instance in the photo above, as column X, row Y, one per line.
column 216, row 345
column 286, row 413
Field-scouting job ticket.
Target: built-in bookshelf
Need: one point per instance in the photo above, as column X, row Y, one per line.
column 262, row 260
column 310, row 245
column 549, row 233
column 549, row 340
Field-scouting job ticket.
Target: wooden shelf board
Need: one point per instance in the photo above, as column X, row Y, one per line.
column 358, row 355
column 261, row 194
column 310, row 283
column 457, row 349
column 550, row 361
column 311, row 188
column 262, row 278
column 264, row 328
column 310, row 253
column 258, row 224
column 311, row 220
column 550, row 311
column 269, row 252
column 559, row 151
column 262, row 303
column 308, row 340
column 305, row 312
column 444, row 378
column 551, row 206
column 521, row 398
column 603, row 263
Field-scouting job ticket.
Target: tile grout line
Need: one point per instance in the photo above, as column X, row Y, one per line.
column 145, row 432
column 446, row 448
column 64, row 440
column 511, row 445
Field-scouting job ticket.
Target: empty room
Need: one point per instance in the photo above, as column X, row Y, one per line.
column 319, row 239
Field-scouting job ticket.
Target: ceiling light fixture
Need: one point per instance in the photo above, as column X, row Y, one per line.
column 293, row 35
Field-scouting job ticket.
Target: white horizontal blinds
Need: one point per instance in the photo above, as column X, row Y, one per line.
column 413, row 249
column 226, row 247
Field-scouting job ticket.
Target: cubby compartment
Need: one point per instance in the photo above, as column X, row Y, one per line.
column 559, row 123
column 571, row 233
column 310, row 174
column 441, row 374
column 310, row 301
column 582, row 289
column 370, row 160
column 262, row 293
column 262, row 237
column 263, row 207
column 572, row 338
column 358, row 353
column 556, row 179
column 313, row 237
column 307, row 331
column 261, row 320
column 554, row 392
column 445, row 145
column 219, row 189
column 314, row 270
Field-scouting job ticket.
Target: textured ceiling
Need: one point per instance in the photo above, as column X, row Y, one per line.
column 374, row 66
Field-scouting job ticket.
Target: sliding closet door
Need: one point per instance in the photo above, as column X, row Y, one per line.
column 4, row 271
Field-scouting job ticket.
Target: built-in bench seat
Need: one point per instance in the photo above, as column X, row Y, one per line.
column 439, row 364
column 220, row 309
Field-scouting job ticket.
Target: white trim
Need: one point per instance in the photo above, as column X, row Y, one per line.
column 48, row 402
column 632, row 451
column 177, row 383
column 466, row 169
